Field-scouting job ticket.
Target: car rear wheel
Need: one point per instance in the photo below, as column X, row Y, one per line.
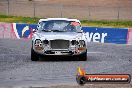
column 34, row 55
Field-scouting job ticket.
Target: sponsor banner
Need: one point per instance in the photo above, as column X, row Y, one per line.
column 6, row 30
column 93, row 34
column 129, row 38
column 23, row 30
column 106, row 35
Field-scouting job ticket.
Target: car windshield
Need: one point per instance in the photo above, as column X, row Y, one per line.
column 59, row 26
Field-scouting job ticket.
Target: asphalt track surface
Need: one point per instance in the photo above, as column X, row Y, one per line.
column 16, row 68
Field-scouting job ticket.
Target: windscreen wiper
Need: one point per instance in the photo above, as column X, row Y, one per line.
column 57, row 31
column 46, row 30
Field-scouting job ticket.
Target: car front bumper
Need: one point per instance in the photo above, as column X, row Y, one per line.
column 60, row 53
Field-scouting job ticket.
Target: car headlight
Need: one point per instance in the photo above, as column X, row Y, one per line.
column 82, row 43
column 82, row 46
column 46, row 42
column 38, row 44
column 74, row 42
column 38, row 41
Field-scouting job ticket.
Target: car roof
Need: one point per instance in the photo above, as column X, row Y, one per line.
column 67, row 19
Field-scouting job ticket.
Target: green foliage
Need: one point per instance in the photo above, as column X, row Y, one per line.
column 100, row 23
column 18, row 19
column 108, row 23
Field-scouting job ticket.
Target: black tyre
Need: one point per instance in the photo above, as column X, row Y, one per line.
column 83, row 57
column 34, row 55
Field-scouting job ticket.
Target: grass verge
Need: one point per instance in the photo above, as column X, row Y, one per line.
column 100, row 23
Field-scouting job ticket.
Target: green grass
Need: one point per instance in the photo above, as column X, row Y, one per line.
column 101, row 23
column 18, row 19
column 107, row 23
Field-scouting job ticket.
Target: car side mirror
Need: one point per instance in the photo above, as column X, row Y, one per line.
column 37, row 27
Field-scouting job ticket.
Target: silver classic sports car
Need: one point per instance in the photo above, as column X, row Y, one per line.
column 59, row 37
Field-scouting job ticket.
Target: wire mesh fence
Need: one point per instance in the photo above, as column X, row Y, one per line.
column 38, row 9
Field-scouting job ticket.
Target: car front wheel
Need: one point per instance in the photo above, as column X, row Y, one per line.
column 34, row 55
column 83, row 57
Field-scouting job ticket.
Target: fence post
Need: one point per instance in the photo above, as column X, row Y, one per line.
column 8, row 7
column 118, row 13
column 61, row 7
column 89, row 13
column 34, row 6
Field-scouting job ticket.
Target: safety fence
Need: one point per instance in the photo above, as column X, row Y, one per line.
column 46, row 10
column 93, row 34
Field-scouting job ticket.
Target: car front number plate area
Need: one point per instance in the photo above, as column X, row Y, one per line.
column 58, row 53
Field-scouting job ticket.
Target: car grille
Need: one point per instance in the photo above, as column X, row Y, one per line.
column 59, row 44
